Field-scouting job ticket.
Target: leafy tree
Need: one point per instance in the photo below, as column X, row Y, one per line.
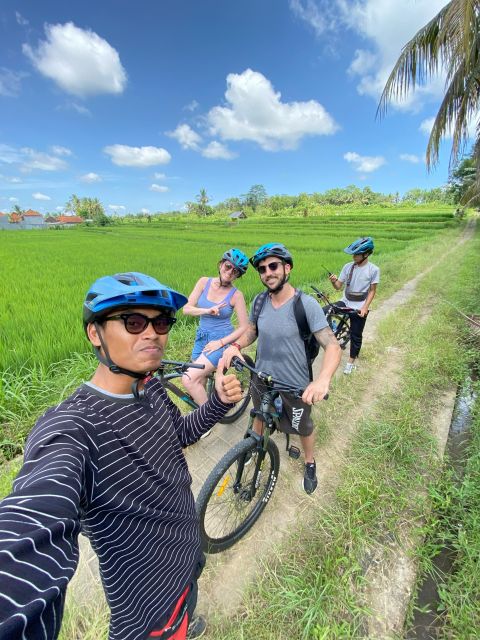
column 203, row 208
column 88, row 209
column 256, row 196
column 449, row 41
column 462, row 182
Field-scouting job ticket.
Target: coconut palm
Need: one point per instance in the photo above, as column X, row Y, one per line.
column 449, row 43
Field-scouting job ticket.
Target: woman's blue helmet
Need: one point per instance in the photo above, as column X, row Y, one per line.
column 237, row 258
column 271, row 249
column 361, row 245
column 128, row 290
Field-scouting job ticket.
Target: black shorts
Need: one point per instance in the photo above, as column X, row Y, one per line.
column 296, row 414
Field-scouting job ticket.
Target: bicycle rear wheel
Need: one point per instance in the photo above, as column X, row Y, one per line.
column 245, row 377
column 228, row 504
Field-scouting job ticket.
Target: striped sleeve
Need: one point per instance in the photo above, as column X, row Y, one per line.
column 39, row 526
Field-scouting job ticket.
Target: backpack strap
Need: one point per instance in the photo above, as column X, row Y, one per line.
column 258, row 305
column 303, row 328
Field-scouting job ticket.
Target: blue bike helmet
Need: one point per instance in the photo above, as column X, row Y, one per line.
column 237, row 258
column 271, row 249
column 361, row 245
column 128, row 290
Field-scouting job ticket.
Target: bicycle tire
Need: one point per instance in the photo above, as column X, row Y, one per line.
column 340, row 326
column 245, row 377
column 226, row 517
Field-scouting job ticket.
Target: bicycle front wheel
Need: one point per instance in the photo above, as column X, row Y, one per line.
column 234, row 495
column 245, row 377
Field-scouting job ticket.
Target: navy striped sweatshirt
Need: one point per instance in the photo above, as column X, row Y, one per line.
column 113, row 468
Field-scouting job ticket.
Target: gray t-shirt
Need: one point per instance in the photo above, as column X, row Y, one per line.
column 280, row 349
column 362, row 277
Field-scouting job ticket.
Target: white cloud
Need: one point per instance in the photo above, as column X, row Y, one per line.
column 217, row 150
column 386, row 26
column 40, row 196
column 125, row 156
column 74, row 106
column 426, row 126
column 159, row 176
column 91, row 177
column 159, row 188
column 78, row 60
column 13, row 199
column 186, row 137
column 319, row 18
column 23, row 22
column 60, row 151
column 42, row 161
column 117, row 207
column 410, row 157
column 191, row 106
column 365, row 164
column 59, row 208
column 11, row 179
column 10, row 82
column 145, row 211
column 255, row 112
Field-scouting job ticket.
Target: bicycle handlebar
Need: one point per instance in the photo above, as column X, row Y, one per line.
column 324, row 297
column 181, row 366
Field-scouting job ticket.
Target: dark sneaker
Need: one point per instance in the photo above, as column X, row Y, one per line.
column 310, row 477
column 196, row 628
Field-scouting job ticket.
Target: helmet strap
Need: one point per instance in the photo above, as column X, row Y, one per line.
column 365, row 257
column 107, row 361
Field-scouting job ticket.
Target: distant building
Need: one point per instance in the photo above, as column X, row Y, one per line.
column 32, row 220
column 70, row 220
column 237, row 215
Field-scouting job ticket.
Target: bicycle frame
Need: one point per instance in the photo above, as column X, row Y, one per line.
column 270, row 419
column 179, row 370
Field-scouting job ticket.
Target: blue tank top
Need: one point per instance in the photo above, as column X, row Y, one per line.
column 220, row 324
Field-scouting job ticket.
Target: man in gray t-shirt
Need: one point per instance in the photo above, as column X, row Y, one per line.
column 281, row 350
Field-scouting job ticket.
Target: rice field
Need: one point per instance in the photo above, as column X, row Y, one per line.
column 46, row 273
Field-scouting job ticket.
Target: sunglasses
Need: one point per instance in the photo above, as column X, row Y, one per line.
column 229, row 267
column 137, row 323
column 273, row 266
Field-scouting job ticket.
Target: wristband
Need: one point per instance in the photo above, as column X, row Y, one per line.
column 235, row 344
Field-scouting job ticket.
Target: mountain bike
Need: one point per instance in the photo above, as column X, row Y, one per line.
column 239, row 487
column 338, row 317
column 171, row 370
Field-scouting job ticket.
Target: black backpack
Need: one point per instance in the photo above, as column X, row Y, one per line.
column 311, row 345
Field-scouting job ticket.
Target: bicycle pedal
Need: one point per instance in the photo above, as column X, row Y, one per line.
column 294, row 452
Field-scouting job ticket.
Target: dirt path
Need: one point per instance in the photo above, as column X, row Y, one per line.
column 228, row 574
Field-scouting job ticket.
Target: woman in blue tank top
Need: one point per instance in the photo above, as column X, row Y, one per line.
column 214, row 300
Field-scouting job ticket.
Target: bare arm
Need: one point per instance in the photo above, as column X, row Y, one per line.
column 191, row 309
column 336, row 283
column 247, row 338
column 319, row 388
column 241, row 310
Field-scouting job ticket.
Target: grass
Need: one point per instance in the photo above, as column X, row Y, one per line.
column 316, row 586
column 51, row 361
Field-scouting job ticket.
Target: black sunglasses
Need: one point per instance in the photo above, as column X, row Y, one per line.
column 137, row 323
column 273, row 266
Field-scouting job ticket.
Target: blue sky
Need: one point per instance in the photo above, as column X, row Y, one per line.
column 142, row 103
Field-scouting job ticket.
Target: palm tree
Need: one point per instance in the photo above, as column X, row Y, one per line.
column 449, row 42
